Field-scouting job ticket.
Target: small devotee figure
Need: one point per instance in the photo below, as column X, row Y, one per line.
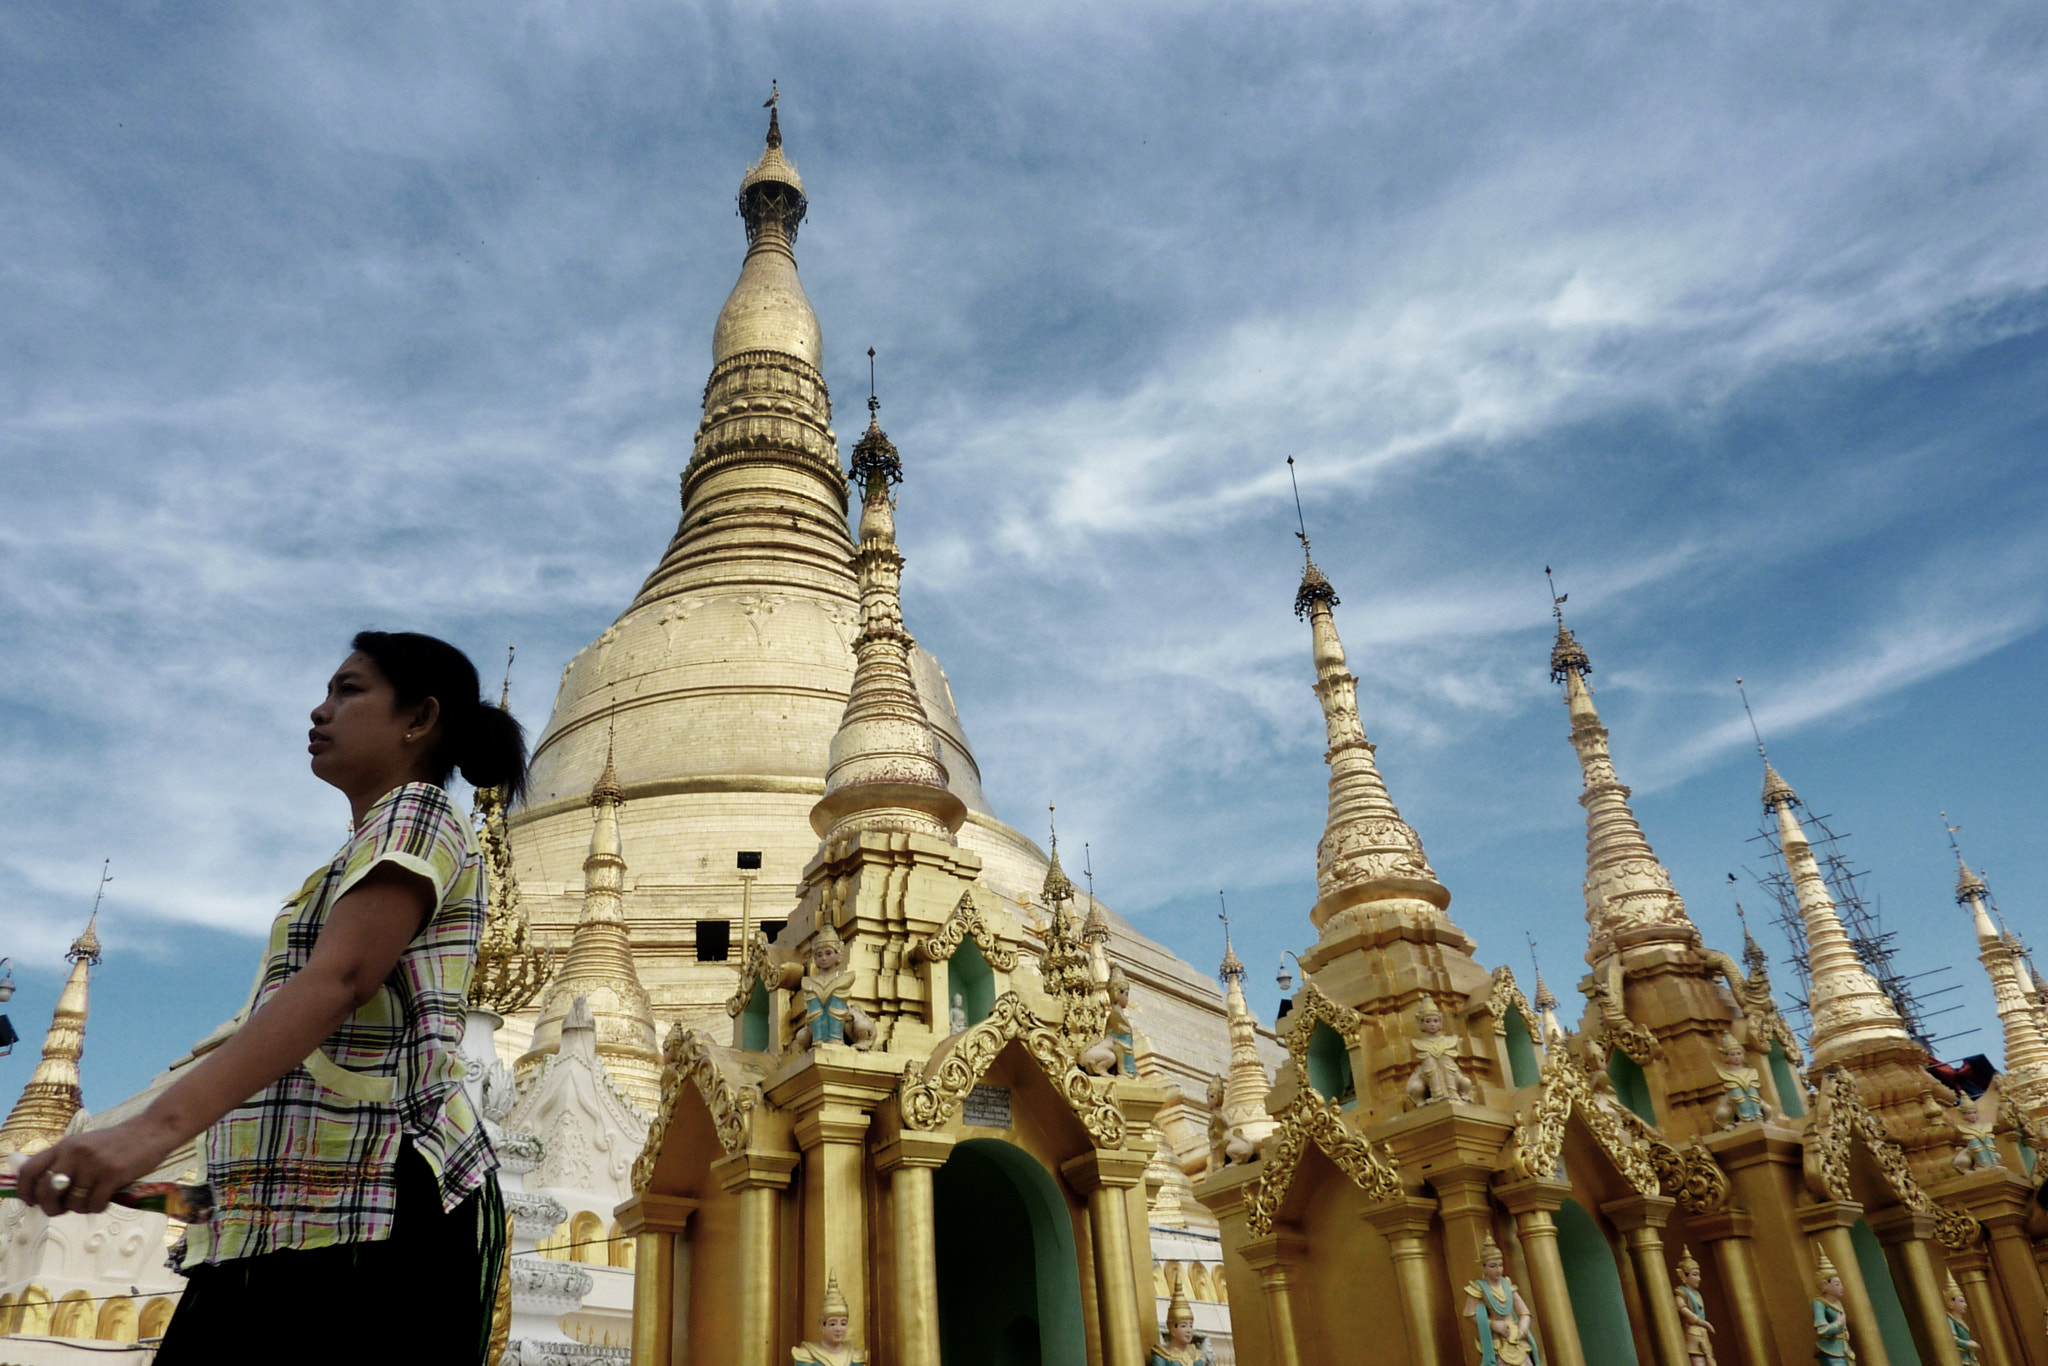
column 835, row 1350
column 1958, row 1323
column 1742, row 1100
column 1437, row 1075
column 1116, row 1051
column 1219, row 1127
column 956, row 1018
column 1692, row 1313
column 1830, row 1320
column 1502, row 1316
column 1979, row 1148
column 1178, row 1347
column 829, row 1017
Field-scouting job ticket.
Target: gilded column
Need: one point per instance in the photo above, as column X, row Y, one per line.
column 909, row 1160
column 1104, row 1176
column 1274, row 1258
column 2021, row 1280
column 1907, row 1236
column 1728, row 1233
column 1404, row 1222
column 758, row 1178
column 833, row 1138
column 656, row 1224
column 1533, row 1202
column 1829, row 1225
column 1641, row 1219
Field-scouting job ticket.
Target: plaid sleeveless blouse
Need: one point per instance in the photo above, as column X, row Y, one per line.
column 312, row 1159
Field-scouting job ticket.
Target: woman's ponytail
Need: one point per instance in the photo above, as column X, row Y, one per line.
column 486, row 743
column 492, row 751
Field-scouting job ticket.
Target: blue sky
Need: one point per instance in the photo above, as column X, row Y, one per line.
column 317, row 317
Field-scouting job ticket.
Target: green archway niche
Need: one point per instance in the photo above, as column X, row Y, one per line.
column 1522, row 1064
column 1329, row 1066
column 1884, row 1297
column 1009, row 1279
column 1787, row 1081
column 1598, row 1305
column 754, row 1031
column 972, row 980
column 1631, row 1087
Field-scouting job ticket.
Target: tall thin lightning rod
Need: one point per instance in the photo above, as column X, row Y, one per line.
column 1757, row 734
column 874, row 404
column 505, row 692
column 105, row 878
column 1299, row 520
column 1557, row 600
column 1534, row 966
column 1953, row 831
column 1224, row 916
column 1088, row 870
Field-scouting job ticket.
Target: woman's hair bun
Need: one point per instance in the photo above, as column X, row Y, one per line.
column 486, row 743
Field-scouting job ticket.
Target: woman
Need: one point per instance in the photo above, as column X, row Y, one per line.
column 351, row 1180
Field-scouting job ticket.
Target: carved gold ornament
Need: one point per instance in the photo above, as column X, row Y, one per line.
column 754, row 967
column 1840, row 1117
column 1505, row 995
column 1565, row 1088
column 1689, row 1175
column 966, row 919
column 691, row 1056
column 1309, row 1007
column 1311, row 1119
column 931, row 1095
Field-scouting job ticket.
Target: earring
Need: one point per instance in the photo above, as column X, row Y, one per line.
column 408, row 737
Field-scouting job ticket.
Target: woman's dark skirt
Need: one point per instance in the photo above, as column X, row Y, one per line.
column 424, row 1294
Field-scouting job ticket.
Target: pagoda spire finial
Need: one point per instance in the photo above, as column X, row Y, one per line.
column 1368, row 852
column 1626, row 887
column 1245, row 1086
column 884, row 771
column 2026, row 1048
column 1850, row 1010
column 509, row 969
column 598, row 968
column 53, row 1095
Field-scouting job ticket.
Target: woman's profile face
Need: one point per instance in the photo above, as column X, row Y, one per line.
column 359, row 730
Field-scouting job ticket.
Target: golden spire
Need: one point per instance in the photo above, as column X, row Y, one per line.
column 884, row 771
column 2026, row 1051
column 1244, row 1091
column 1368, row 853
column 509, row 969
column 764, row 499
column 53, row 1097
column 1058, row 889
column 1626, row 887
column 1850, row 1010
column 599, row 966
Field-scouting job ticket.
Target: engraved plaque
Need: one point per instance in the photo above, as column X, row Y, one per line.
column 987, row 1107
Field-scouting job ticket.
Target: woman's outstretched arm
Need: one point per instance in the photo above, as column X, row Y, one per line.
column 360, row 944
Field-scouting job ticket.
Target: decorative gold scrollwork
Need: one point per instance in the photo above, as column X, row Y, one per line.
column 1506, row 994
column 691, row 1056
column 966, row 919
column 1690, row 1175
column 1563, row 1089
column 930, row 1095
column 1839, row 1117
column 1311, row 1006
column 1311, row 1119
column 754, row 967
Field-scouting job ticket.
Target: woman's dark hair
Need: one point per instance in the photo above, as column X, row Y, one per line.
column 481, row 740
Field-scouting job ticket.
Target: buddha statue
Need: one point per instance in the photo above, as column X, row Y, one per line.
column 834, row 1350
column 1437, row 1075
column 1178, row 1347
column 1692, row 1313
column 1830, row 1320
column 1742, row 1096
column 1500, row 1313
column 956, row 1017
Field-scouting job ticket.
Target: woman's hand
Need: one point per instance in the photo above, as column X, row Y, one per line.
column 81, row 1174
